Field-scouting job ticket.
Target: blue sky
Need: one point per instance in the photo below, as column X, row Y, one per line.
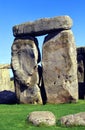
column 14, row 12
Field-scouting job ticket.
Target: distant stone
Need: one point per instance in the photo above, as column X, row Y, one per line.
column 81, row 90
column 25, row 58
column 60, row 67
column 43, row 26
column 5, row 66
column 7, row 97
column 74, row 119
column 81, row 68
column 42, row 118
column 81, row 71
column 5, row 82
column 81, row 50
column 81, row 64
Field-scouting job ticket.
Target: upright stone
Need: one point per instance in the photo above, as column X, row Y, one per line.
column 60, row 67
column 81, row 71
column 5, row 82
column 81, row 64
column 25, row 57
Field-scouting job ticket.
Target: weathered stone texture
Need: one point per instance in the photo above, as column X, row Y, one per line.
column 25, row 57
column 60, row 67
column 42, row 118
column 59, row 81
column 74, row 119
column 43, row 26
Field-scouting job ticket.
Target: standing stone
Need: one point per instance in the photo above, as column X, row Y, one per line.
column 81, row 64
column 25, row 57
column 5, row 82
column 59, row 80
column 80, row 60
column 81, row 71
column 60, row 67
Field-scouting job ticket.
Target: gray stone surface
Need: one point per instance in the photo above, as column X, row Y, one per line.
column 43, row 26
column 24, row 65
column 59, row 83
column 74, row 119
column 42, row 118
column 60, row 67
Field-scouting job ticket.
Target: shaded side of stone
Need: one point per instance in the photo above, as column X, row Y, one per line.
column 41, row 85
column 8, row 97
column 43, row 26
column 81, row 71
column 81, row 50
column 60, row 67
column 81, row 64
column 81, row 89
column 25, row 58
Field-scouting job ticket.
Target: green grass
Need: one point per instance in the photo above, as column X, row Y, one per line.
column 13, row 117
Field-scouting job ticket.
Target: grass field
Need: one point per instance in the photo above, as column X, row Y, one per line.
column 13, row 117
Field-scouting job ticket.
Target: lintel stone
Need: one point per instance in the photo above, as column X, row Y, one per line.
column 43, row 26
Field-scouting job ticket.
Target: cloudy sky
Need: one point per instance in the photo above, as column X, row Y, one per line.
column 13, row 12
